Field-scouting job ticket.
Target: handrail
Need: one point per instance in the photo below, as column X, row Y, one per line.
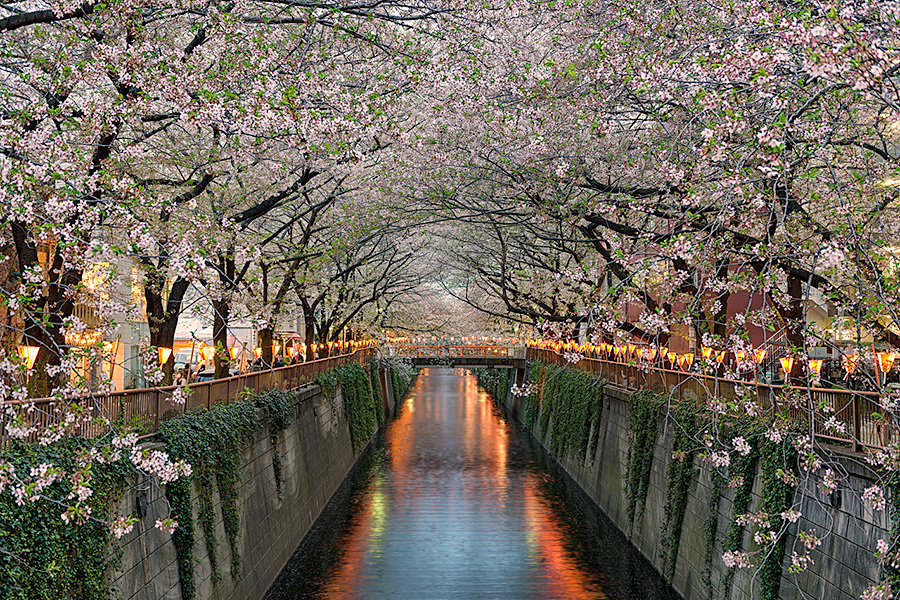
column 854, row 411
column 451, row 350
column 148, row 407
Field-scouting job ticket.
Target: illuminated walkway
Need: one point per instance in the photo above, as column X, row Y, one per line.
column 457, row 505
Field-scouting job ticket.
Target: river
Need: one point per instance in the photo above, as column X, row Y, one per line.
column 456, row 502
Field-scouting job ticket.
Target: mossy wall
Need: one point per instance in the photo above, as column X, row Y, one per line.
column 649, row 508
column 317, row 448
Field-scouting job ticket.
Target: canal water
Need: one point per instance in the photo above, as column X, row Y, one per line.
column 455, row 502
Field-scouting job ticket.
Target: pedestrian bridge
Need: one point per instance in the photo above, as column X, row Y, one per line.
column 467, row 356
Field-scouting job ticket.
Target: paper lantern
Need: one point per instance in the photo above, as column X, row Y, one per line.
column 28, row 354
column 787, row 363
column 163, row 354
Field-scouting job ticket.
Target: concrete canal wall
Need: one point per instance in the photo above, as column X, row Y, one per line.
column 843, row 564
column 317, row 454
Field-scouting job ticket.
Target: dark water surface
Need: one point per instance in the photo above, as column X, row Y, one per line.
column 457, row 503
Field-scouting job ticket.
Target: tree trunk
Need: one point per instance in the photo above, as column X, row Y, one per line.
column 163, row 317
column 220, row 338
column 264, row 339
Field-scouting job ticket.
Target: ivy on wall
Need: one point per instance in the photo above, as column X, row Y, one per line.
column 402, row 376
column 567, row 407
column 711, row 527
column 278, row 405
column 376, row 393
column 778, row 463
column 560, row 412
column 43, row 558
column 680, row 475
column 359, row 404
column 536, row 372
column 212, row 442
column 643, row 418
column 495, row 382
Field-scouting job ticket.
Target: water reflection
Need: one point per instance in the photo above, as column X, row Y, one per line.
column 457, row 504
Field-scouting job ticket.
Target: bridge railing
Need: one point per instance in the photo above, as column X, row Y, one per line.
column 144, row 409
column 859, row 418
column 451, row 351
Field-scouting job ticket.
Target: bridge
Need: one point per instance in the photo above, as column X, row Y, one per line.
column 466, row 356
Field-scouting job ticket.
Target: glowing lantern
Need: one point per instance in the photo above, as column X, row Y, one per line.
column 680, row 358
column 651, row 354
column 815, row 366
column 787, row 363
column 631, row 348
column 720, row 356
column 689, row 359
column 885, row 361
column 206, row 352
column 759, row 354
column 740, row 355
column 275, row 348
column 235, row 350
column 163, row 354
column 257, row 352
column 706, row 352
column 28, row 354
column 664, row 353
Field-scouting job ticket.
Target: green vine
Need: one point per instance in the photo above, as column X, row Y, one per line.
column 536, row 373
column 643, row 417
column 778, row 463
column 495, row 382
column 43, row 558
column 376, row 393
column 212, row 442
column 567, row 406
column 743, row 473
column 680, row 473
column 277, row 405
column 402, row 376
column 359, row 405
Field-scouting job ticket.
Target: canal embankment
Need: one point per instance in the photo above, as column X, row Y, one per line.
column 680, row 514
column 255, row 493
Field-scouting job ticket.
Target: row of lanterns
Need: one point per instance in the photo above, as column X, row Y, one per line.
column 883, row 360
column 28, row 354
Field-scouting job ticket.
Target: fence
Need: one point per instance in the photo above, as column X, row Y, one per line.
column 145, row 409
column 860, row 414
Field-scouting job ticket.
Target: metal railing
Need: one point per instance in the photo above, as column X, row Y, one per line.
column 145, row 409
column 860, row 414
column 438, row 351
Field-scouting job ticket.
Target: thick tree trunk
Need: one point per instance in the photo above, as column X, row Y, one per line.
column 310, row 339
column 264, row 339
column 222, row 359
column 162, row 317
